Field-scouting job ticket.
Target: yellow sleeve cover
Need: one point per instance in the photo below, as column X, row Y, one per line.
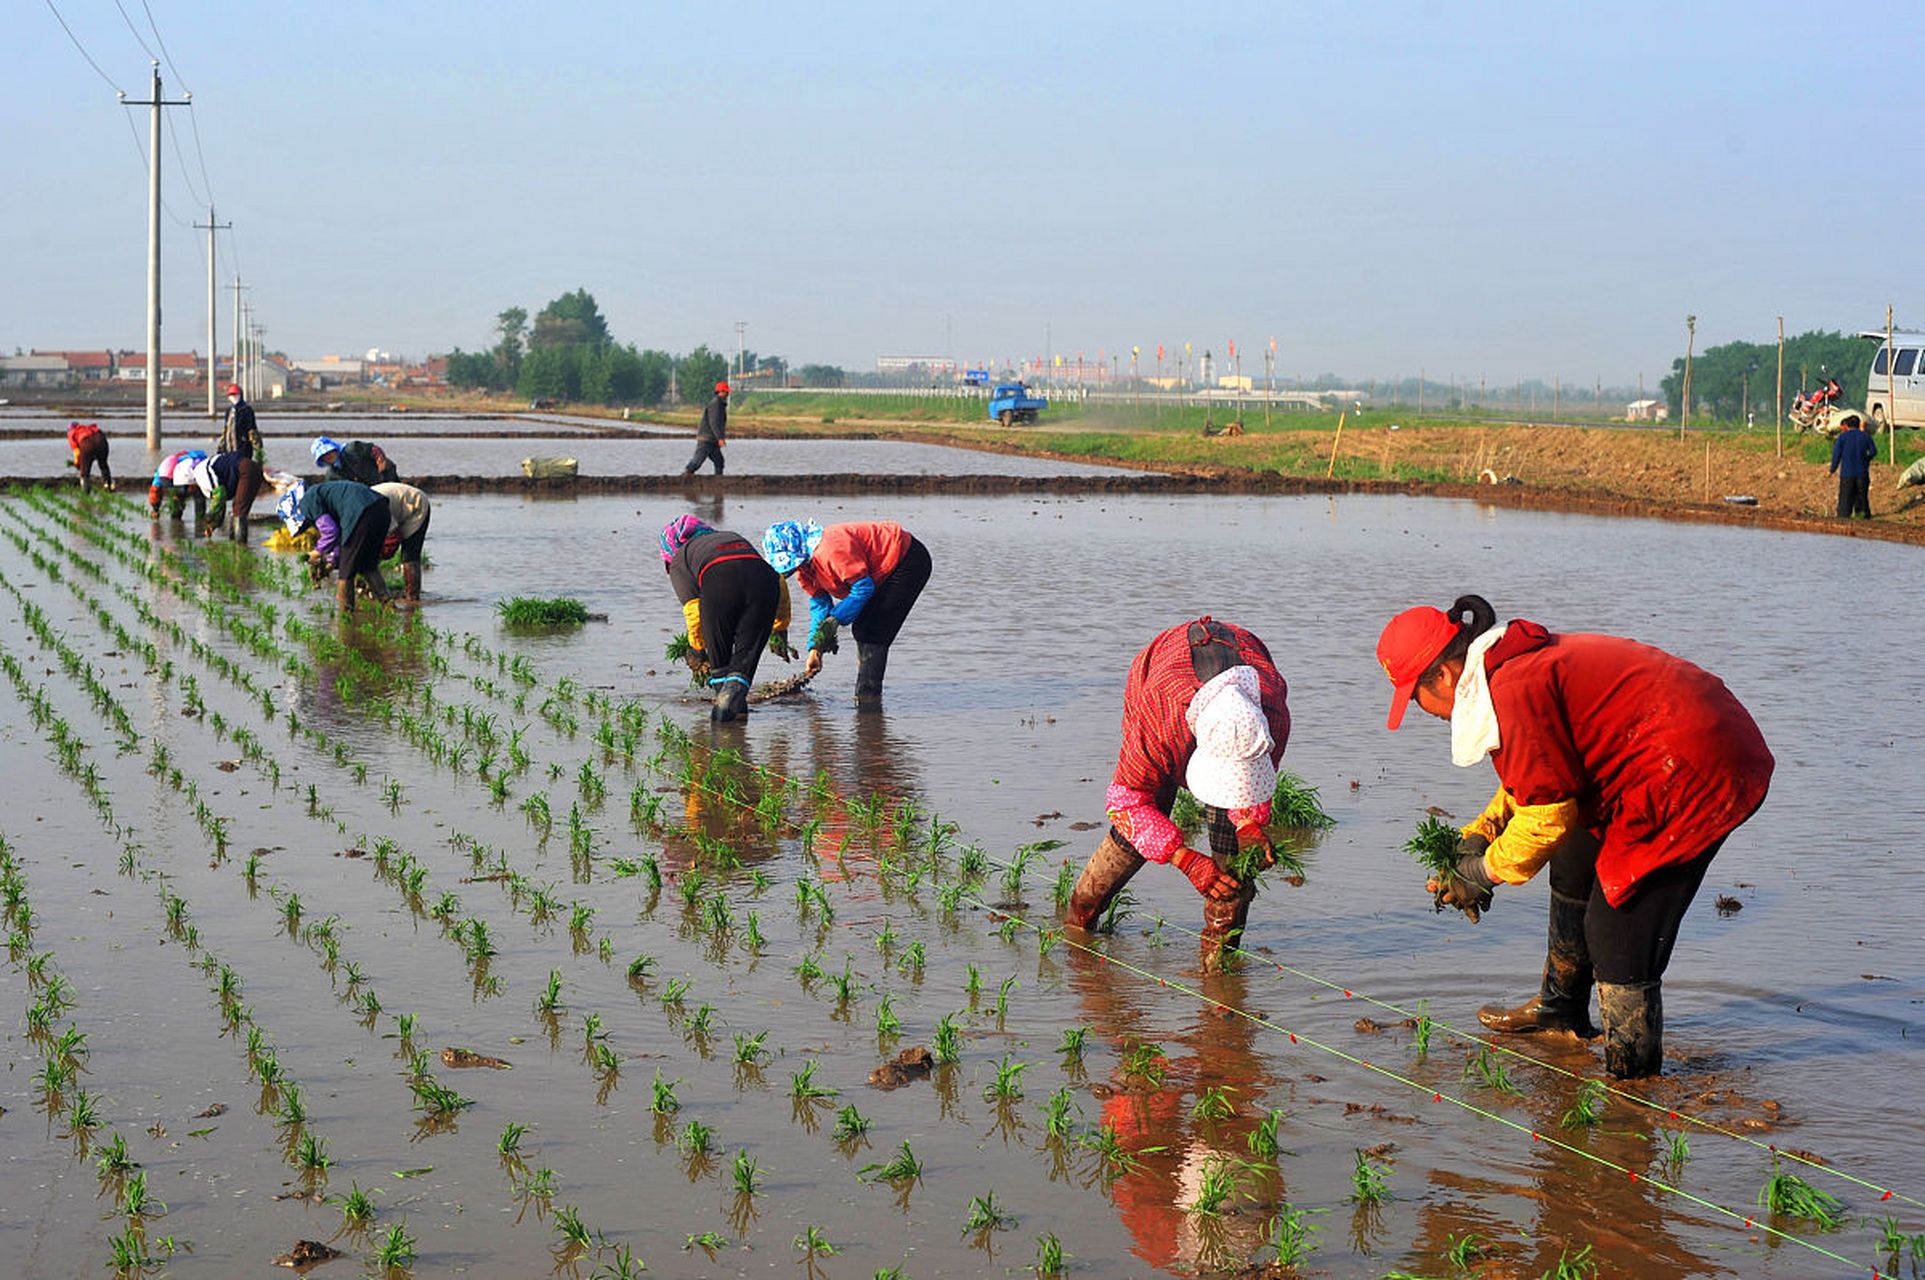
column 1490, row 822
column 782, row 607
column 692, row 611
column 1528, row 839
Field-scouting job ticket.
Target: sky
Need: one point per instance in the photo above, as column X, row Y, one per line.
column 1479, row 191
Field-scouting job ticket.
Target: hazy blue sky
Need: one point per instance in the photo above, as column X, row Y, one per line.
column 1474, row 189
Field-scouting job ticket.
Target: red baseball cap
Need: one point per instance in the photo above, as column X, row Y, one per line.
column 233, row 389
column 721, row 388
column 1411, row 641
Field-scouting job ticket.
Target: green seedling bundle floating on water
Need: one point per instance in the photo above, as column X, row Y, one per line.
column 534, row 611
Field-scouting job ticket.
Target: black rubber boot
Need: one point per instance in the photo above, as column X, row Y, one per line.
column 1633, row 1015
column 872, row 660
column 1563, row 1000
column 731, row 701
column 1104, row 876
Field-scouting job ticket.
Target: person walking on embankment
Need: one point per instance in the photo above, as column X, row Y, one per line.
column 228, row 477
column 174, row 481
column 865, row 576
column 1622, row 767
column 1852, row 454
column 1204, row 707
column 712, row 434
column 239, row 434
column 88, row 443
column 362, row 515
column 735, row 605
column 357, row 460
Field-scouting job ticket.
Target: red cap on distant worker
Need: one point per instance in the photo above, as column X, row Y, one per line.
column 233, row 389
column 721, row 388
column 1411, row 641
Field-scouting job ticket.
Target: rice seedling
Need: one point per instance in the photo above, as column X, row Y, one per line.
column 135, row 1202
column 701, row 1021
column 549, row 1002
column 753, row 938
column 850, row 1124
column 1573, row 1266
column 1369, row 1183
column 1424, row 1029
column 1434, row 845
column 436, row 1098
column 1791, row 1196
column 802, row 1085
column 580, row 916
column 719, row 916
column 1676, row 1152
column 1145, row 1064
column 1073, row 1043
column 812, row 1244
column 1008, row 1084
column 1002, row 995
column 985, row 1214
column 707, row 1241
column 1290, row 1235
column 128, row 1254
column 605, row 1061
column 1463, row 1252
column 83, row 1114
column 1295, row 803
column 844, row 982
column 293, row 1108
column 662, row 1101
column 672, row 993
column 947, row 1046
column 901, row 1167
column 745, row 1174
column 1050, row 1258
column 621, row 1264
column 1216, row 1183
column 808, row 971
column 1121, row 907
column 1059, row 1114
column 509, row 1143
column 887, row 1023
column 357, row 1208
column 113, row 1161
column 1262, row 1140
column 1214, row 1103
column 535, row 611
column 1587, row 1108
column 1007, row 929
column 396, row 1252
column 913, row 959
column 641, row 968
column 749, row 1050
column 886, row 940
column 1185, row 812
column 574, row 1232
column 1486, row 1069
column 697, row 1138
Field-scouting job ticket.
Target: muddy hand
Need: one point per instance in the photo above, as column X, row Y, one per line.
column 814, row 664
column 780, row 647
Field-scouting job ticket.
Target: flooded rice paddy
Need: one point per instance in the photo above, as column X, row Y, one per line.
column 265, row 858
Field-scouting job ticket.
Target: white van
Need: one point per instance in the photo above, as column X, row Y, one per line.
column 1896, row 387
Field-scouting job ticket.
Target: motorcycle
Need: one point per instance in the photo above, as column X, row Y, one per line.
column 1820, row 410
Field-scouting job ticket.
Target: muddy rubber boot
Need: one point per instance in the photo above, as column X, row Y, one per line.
column 1104, row 876
column 411, row 581
column 731, row 700
column 1633, row 1016
column 872, row 660
column 1223, row 924
column 1563, row 1000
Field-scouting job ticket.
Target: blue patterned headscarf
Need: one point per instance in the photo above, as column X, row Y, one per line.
column 322, row 447
column 289, row 507
column 789, row 543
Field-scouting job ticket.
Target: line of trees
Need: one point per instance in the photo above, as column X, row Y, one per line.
column 568, row 354
column 1738, row 377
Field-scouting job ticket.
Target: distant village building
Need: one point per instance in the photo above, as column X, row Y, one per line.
column 916, row 366
column 332, row 371
column 175, row 367
column 1646, row 411
column 85, row 366
column 33, row 371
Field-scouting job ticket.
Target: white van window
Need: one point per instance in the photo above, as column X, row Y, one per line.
column 1907, row 361
column 1880, row 360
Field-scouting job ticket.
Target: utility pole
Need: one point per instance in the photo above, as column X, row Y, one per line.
column 257, row 368
column 244, row 348
column 1684, row 398
column 211, row 226
column 741, row 348
column 234, row 369
column 153, row 255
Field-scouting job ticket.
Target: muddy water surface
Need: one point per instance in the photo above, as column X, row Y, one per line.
column 1794, row 1021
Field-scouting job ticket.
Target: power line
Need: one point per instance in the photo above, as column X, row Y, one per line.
column 140, row 39
column 207, row 183
column 83, row 51
column 178, row 78
column 180, row 158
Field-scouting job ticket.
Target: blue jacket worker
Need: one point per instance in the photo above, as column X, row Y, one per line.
column 1852, row 455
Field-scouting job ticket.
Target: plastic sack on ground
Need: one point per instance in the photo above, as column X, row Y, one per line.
column 548, row 468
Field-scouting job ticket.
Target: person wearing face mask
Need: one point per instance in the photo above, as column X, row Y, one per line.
column 239, row 434
column 1621, row 767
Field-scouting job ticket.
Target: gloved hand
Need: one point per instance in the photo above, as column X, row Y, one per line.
column 824, row 638
column 698, row 663
column 780, row 647
column 1209, row 879
column 1252, row 839
column 1469, row 887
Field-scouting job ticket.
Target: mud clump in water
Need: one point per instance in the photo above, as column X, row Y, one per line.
column 1728, row 905
column 307, row 1255
column 906, row 1067
column 453, row 1057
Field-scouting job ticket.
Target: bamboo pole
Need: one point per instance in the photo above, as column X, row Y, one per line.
column 1707, row 468
column 1684, row 397
column 1779, row 403
column 1891, row 403
column 1331, row 470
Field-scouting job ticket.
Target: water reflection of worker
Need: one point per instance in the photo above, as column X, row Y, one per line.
column 866, row 577
column 225, row 478
column 1215, row 1051
column 713, row 433
column 1621, row 766
column 174, row 481
column 735, row 606
column 1203, row 707
column 88, row 444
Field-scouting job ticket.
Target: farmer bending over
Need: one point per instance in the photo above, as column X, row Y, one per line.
column 174, row 480
column 224, row 476
column 863, row 576
column 1621, row 766
column 735, row 604
column 1205, row 707
column 408, row 517
column 89, row 445
column 360, row 511
column 357, row 460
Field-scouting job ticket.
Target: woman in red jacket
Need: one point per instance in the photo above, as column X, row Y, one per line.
column 866, row 577
column 89, row 445
column 1204, row 707
column 1620, row 766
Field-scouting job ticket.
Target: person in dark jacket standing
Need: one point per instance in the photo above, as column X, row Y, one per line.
column 239, row 434
column 712, row 434
column 361, row 514
column 1852, row 455
column 734, row 603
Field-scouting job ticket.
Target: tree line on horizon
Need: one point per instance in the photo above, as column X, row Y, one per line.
column 1725, row 379
column 568, row 354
